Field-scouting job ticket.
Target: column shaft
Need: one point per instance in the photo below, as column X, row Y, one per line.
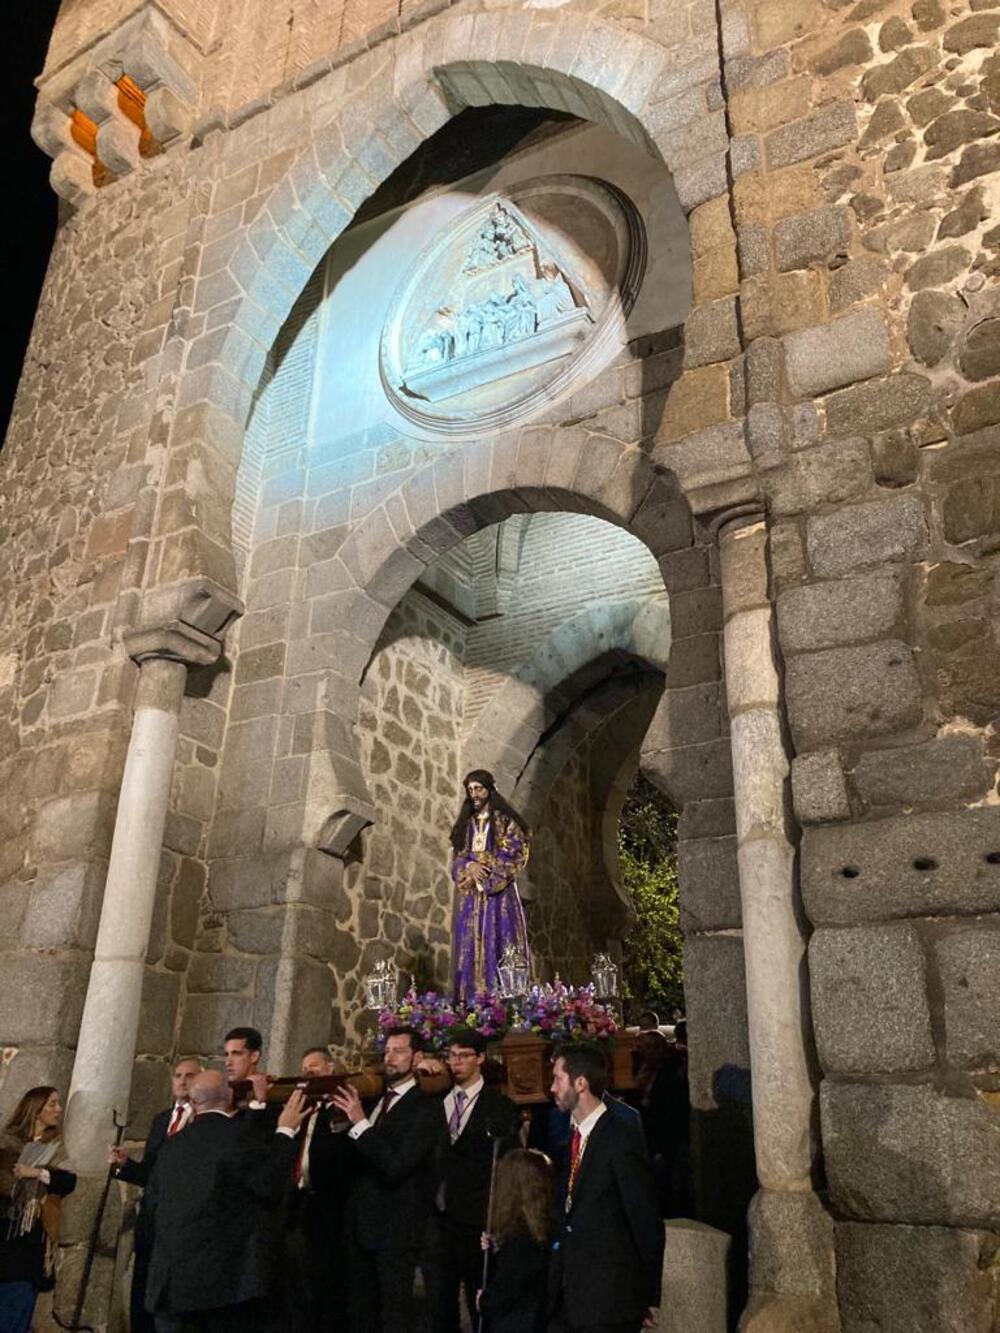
column 102, row 1072
column 773, row 938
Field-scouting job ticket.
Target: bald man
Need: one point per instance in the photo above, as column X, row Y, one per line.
column 212, row 1195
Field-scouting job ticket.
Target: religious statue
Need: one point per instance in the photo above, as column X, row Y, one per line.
column 491, row 843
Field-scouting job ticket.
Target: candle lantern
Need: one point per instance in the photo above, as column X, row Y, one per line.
column 604, row 974
column 382, row 985
column 513, row 973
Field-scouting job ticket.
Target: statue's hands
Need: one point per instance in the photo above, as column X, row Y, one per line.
column 479, row 873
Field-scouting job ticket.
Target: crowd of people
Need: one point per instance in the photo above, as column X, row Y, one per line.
column 327, row 1213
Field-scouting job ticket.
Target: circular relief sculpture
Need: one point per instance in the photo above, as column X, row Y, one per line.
column 524, row 295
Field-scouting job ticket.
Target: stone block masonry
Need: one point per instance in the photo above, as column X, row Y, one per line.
column 844, row 269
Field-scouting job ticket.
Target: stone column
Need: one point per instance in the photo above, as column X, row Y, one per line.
column 102, row 1071
column 774, row 945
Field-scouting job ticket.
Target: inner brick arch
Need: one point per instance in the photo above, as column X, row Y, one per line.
column 436, row 508
column 246, row 284
column 586, row 646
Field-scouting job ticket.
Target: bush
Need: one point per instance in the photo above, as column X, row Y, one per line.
column 653, row 956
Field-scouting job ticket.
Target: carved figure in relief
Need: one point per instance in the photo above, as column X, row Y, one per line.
column 552, row 294
column 524, row 303
column 436, row 346
column 499, row 237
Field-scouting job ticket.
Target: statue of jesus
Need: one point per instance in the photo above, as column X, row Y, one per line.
column 491, row 843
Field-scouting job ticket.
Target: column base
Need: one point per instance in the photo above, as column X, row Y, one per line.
column 771, row 1313
column 793, row 1273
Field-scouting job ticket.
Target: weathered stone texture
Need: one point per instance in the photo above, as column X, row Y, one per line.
column 913, row 865
column 819, row 790
column 950, row 769
column 410, row 723
column 897, row 1152
column 823, row 615
column 854, row 347
column 869, row 1001
column 968, row 962
column 901, row 1278
column 709, row 879
column 843, row 693
column 791, row 1249
column 933, row 321
column 865, row 535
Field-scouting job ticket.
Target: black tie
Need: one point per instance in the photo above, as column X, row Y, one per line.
column 386, row 1104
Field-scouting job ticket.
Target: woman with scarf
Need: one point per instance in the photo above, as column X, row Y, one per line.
column 31, row 1187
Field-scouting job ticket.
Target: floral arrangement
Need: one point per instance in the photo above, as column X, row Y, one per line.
column 564, row 1013
column 430, row 1013
column 557, row 1012
column 486, row 1013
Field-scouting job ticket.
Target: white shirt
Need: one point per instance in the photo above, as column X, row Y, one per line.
column 471, row 1093
column 586, row 1125
column 187, row 1111
column 307, row 1145
column 400, row 1089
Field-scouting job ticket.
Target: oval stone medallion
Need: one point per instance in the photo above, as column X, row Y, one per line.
column 522, row 296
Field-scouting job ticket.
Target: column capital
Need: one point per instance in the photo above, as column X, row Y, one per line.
column 172, row 642
column 726, row 522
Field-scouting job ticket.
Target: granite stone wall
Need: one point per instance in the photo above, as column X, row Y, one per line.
column 838, row 372
column 411, row 722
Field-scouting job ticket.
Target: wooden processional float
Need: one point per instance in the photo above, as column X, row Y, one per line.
column 524, row 1072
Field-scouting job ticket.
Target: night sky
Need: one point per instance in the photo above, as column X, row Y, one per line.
column 31, row 227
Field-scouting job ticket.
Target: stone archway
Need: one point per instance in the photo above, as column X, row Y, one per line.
column 430, row 513
column 257, row 276
column 585, row 65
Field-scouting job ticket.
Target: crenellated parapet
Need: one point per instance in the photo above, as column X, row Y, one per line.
column 121, row 101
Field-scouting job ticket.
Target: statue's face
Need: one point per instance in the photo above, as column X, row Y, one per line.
column 478, row 795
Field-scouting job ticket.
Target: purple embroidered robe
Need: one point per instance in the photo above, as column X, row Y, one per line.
column 490, row 916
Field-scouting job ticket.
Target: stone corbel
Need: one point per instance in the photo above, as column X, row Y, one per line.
column 125, row 99
column 118, row 138
column 143, row 55
column 199, row 603
column 343, row 826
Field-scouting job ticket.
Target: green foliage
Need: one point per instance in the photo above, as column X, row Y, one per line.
column 653, row 960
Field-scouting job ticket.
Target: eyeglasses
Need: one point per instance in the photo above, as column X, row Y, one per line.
column 461, row 1055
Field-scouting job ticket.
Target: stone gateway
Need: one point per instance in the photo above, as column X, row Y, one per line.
column 573, row 391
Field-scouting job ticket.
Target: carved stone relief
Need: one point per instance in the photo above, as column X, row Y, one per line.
column 497, row 315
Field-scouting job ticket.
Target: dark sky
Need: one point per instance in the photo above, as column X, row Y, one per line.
column 28, row 236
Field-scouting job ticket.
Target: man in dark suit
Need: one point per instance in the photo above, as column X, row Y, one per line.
column 165, row 1125
column 395, row 1145
column 609, row 1253
column 475, row 1117
column 211, row 1202
column 551, row 1134
column 315, row 1209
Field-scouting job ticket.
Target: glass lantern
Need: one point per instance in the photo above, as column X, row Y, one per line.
column 604, row 973
column 513, row 973
column 382, row 985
